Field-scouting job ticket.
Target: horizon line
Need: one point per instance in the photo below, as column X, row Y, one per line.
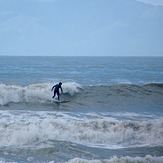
column 78, row 56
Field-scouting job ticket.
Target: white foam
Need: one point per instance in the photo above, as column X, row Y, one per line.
column 147, row 158
column 27, row 128
column 34, row 93
column 71, row 87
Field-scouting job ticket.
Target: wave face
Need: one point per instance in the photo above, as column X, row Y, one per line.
column 114, row 96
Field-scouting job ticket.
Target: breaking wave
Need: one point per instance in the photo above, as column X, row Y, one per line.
column 100, row 96
column 29, row 128
column 34, row 93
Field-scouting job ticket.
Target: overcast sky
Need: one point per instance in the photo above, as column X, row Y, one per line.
column 81, row 27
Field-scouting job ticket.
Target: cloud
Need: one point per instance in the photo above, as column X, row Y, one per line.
column 153, row 2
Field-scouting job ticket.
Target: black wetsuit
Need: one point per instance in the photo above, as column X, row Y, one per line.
column 56, row 90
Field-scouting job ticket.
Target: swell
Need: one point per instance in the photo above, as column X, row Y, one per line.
column 126, row 96
column 150, row 94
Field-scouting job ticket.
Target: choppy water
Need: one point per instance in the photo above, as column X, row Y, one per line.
column 115, row 113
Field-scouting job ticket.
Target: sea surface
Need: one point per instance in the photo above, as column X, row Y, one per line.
column 115, row 113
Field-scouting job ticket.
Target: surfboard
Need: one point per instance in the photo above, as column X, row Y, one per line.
column 62, row 101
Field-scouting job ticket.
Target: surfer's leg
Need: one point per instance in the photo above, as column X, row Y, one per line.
column 58, row 95
column 54, row 94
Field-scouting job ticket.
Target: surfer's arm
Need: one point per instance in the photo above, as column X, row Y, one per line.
column 61, row 89
column 53, row 87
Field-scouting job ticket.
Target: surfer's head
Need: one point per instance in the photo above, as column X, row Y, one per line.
column 60, row 83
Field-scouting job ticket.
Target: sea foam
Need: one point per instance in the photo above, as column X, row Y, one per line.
column 28, row 128
column 33, row 93
column 146, row 159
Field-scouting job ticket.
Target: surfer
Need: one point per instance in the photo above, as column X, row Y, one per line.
column 56, row 90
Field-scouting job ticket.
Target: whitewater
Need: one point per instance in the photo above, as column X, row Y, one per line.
column 115, row 113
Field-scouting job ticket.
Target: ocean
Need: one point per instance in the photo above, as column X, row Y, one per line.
column 115, row 113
